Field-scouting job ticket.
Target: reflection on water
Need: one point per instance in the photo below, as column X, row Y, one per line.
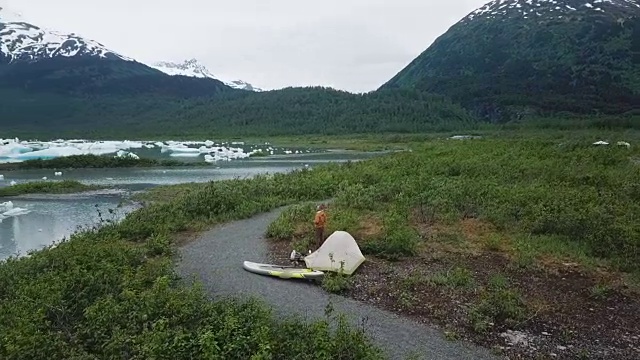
column 51, row 220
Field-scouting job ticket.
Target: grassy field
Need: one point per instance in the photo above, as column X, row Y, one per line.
column 554, row 199
column 46, row 187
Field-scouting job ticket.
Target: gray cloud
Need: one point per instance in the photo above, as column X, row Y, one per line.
column 354, row 45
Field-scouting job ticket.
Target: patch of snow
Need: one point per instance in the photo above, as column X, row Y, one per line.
column 521, row 8
column 22, row 41
column 192, row 68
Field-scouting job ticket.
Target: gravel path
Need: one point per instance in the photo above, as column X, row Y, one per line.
column 216, row 257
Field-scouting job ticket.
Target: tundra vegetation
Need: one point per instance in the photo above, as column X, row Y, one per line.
column 480, row 235
column 485, row 236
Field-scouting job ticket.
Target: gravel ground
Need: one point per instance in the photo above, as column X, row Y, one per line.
column 215, row 258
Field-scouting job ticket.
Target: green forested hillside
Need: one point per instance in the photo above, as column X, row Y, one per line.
column 511, row 58
column 88, row 76
column 284, row 112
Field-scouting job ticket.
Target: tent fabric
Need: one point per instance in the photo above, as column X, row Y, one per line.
column 340, row 246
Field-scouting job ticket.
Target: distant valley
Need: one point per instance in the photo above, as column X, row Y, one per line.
column 509, row 61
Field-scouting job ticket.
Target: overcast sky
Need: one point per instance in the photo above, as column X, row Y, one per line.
column 354, row 45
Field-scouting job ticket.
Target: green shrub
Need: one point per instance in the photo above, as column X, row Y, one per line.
column 398, row 238
column 45, row 187
column 284, row 227
column 499, row 305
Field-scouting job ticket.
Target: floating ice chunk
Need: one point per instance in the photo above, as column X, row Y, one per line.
column 132, row 144
column 50, row 153
column 15, row 212
column 186, row 154
column 125, row 154
column 14, row 148
column 209, row 159
column 6, row 206
column 183, row 148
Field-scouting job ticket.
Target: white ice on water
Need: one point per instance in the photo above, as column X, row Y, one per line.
column 126, row 154
column 8, row 210
column 15, row 150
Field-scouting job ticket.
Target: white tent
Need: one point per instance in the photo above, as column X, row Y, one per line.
column 339, row 247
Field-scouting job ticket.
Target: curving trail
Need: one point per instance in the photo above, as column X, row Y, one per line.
column 215, row 258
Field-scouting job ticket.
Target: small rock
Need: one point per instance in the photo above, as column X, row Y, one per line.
column 553, row 355
column 546, row 333
column 561, row 348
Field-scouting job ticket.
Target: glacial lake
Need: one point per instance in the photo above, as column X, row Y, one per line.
column 51, row 218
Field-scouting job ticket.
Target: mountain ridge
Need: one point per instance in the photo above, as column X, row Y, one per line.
column 511, row 58
column 193, row 68
column 21, row 41
column 41, row 59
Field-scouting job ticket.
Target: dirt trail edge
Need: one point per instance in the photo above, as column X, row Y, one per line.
column 215, row 258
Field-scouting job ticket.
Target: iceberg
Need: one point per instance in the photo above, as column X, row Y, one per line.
column 49, row 153
column 183, row 149
column 6, row 206
column 125, row 154
column 13, row 148
column 185, row 154
column 15, row 212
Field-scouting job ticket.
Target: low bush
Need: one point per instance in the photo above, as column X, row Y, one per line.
column 45, row 187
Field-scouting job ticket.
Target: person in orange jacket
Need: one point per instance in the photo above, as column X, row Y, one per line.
column 319, row 222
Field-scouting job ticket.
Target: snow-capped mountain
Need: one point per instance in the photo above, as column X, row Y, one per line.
column 21, row 41
column 193, row 68
column 511, row 58
column 545, row 8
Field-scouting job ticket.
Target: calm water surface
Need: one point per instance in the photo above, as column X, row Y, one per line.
column 54, row 217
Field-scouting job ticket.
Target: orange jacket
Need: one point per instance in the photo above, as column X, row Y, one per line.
column 320, row 219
